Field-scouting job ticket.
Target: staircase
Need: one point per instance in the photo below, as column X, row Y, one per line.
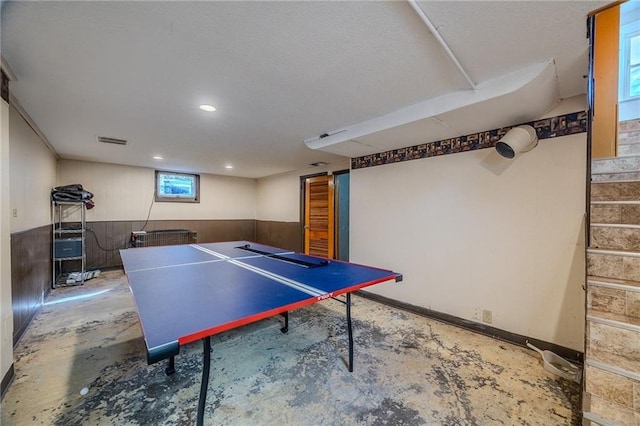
column 612, row 357
column 629, row 137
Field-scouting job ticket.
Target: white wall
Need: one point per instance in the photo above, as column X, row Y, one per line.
column 28, row 174
column 33, row 174
column 6, row 315
column 474, row 230
column 629, row 110
column 126, row 193
column 278, row 197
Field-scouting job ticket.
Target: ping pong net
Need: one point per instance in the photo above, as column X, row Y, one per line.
column 296, row 258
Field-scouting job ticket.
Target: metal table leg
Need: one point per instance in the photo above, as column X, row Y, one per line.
column 171, row 366
column 206, row 355
column 350, row 330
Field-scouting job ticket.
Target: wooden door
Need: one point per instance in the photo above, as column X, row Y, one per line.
column 319, row 216
column 604, row 127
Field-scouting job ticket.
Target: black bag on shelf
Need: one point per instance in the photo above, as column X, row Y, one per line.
column 74, row 192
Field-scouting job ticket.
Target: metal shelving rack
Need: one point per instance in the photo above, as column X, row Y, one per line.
column 69, row 229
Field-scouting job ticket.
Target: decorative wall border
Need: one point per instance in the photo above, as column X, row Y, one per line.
column 561, row 125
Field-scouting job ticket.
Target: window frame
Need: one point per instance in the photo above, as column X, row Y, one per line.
column 627, row 33
column 177, row 198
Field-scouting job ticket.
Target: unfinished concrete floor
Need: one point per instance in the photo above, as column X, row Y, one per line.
column 409, row 370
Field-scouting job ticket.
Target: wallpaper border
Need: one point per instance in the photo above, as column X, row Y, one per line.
column 546, row 128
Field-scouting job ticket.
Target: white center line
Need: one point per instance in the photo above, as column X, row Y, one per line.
column 312, row 291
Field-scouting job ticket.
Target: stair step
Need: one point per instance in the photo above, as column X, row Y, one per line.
column 617, row 264
column 609, row 398
column 614, row 202
column 613, row 253
column 616, row 212
column 631, row 124
column 613, row 340
column 615, row 164
column 627, row 285
column 615, row 225
column 629, row 137
column 619, row 190
column 628, row 148
column 628, row 141
column 614, row 370
column 615, row 236
column 613, row 300
column 615, row 320
column 598, row 420
column 617, row 176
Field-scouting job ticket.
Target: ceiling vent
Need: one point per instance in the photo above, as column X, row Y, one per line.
column 115, row 141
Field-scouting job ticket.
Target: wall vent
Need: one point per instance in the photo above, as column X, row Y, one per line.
column 115, row 141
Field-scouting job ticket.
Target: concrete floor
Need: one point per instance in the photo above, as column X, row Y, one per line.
column 409, row 370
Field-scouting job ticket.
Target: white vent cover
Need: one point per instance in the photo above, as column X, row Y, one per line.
column 115, row 141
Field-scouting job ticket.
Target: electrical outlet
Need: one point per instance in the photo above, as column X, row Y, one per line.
column 7, row 328
column 487, row 316
column 15, row 212
column 477, row 312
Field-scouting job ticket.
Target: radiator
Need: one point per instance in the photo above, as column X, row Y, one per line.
column 166, row 237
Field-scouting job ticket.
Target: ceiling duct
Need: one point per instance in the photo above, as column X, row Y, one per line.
column 114, row 141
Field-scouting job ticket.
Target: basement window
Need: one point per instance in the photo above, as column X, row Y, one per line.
column 177, row 187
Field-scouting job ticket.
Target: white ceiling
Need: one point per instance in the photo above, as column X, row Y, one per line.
column 280, row 73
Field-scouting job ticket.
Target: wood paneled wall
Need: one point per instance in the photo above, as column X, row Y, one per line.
column 286, row 235
column 106, row 238
column 31, row 252
column 30, row 275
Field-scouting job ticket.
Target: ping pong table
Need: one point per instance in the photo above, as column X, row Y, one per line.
column 186, row 293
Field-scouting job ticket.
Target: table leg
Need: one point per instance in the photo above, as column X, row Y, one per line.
column 285, row 315
column 350, row 331
column 206, row 364
column 171, row 366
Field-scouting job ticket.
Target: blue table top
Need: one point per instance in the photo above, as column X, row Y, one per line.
column 187, row 292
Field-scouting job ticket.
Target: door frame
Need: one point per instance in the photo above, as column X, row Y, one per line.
column 336, row 215
column 302, row 206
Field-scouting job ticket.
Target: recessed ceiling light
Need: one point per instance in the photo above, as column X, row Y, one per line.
column 228, row 166
column 208, row 108
column 158, row 157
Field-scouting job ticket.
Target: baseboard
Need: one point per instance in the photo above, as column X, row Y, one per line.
column 6, row 381
column 496, row 333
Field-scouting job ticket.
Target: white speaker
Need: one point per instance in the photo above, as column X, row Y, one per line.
column 517, row 140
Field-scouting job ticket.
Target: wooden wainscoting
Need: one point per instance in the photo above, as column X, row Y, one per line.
column 286, row 235
column 31, row 252
column 106, row 238
column 30, row 275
